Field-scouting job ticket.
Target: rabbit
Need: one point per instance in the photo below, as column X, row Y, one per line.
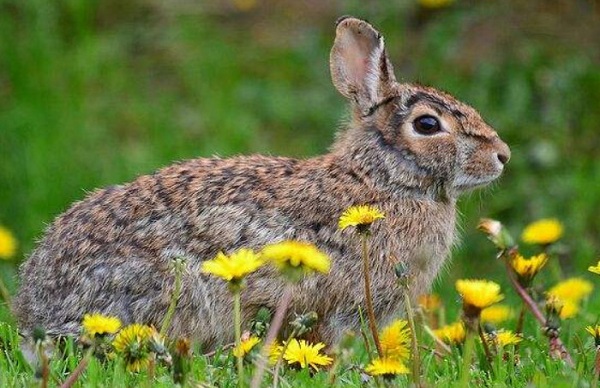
column 409, row 150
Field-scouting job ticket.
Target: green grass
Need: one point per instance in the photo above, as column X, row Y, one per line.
column 95, row 93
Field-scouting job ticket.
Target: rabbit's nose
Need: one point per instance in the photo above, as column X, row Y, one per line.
column 502, row 152
column 503, row 158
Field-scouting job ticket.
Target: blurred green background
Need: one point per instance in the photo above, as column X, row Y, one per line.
column 98, row 92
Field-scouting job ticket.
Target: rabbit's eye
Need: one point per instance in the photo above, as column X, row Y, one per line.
column 427, row 125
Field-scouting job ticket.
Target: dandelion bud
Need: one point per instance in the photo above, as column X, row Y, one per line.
column 304, row 323
column 260, row 324
column 496, row 232
column 39, row 334
column 157, row 346
column 401, row 272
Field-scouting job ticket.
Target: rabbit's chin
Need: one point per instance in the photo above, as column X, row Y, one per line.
column 468, row 182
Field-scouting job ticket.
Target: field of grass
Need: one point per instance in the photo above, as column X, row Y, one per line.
column 96, row 93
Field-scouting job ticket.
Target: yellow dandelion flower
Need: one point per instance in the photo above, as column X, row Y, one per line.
column 526, row 269
column 132, row 343
column 395, row 340
column 503, row 338
column 452, row 334
column 434, row 4
column 235, row 267
column 595, row 269
column 496, row 314
column 94, row 324
column 594, row 332
column 246, row 346
column 8, row 244
column 572, row 289
column 563, row 308
column 569, row 309
column 275, row 352
column 386, row 367
column 297, row 255
column 478, row 294
column 542, row 232
column 304, row 354
column 430, row 302
column 360, row 216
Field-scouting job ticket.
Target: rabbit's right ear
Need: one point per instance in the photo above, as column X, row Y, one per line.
column 360, row 68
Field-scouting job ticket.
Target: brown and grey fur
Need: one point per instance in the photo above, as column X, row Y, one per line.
column 111, row 253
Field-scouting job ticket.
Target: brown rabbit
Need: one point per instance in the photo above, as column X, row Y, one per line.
column 409, row 150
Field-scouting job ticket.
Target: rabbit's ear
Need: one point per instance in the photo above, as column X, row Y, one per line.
column 360, row 68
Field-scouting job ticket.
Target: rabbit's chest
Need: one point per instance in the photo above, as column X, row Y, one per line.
column 418, row 236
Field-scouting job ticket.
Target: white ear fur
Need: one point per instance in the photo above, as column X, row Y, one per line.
column 360, row 69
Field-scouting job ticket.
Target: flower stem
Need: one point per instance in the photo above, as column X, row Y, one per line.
column 521, row 320
column 368, row 298
column 532, row 306
column 467, row 358
column 596, row 368
column 5, row 294
column 416, row 357
column 237, row 322
column 364, row 335
column 174, row 298
column 280, row 358
column 271, row 335
column 439, row 343
column 72, row 379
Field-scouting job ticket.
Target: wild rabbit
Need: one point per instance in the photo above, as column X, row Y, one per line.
column 409, row 150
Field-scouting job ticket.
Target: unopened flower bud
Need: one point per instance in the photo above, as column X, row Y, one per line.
column 496, row 232
column 260, row 324
column 304, row 323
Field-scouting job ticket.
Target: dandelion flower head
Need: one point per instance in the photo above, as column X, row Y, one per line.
column 503, row 338
column 496, row 314
column 297, row 254
column 361, row 216
column 305, row 354
column 132, row 343
column 573, row 289
column 595, row 269
column 594, row 331
column 8, row 243
column 386, row 367
column 246, row 346
column 395, row 340
column 235, row 267
column 479, row 293
column 275, row 352
column 98, row 324
column 542, row 232
column 526, row 269
column 452, row 334
column 563, row 308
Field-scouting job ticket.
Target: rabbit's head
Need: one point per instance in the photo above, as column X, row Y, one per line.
column 407, row 136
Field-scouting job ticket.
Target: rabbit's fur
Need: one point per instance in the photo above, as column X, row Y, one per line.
column 111, row 253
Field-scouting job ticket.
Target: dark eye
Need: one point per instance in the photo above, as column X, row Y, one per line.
column 427, row 125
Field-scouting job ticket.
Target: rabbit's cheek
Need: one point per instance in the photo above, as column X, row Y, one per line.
column 435, row 154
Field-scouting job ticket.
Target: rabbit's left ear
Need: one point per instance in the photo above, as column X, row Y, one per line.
column 360, row 68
